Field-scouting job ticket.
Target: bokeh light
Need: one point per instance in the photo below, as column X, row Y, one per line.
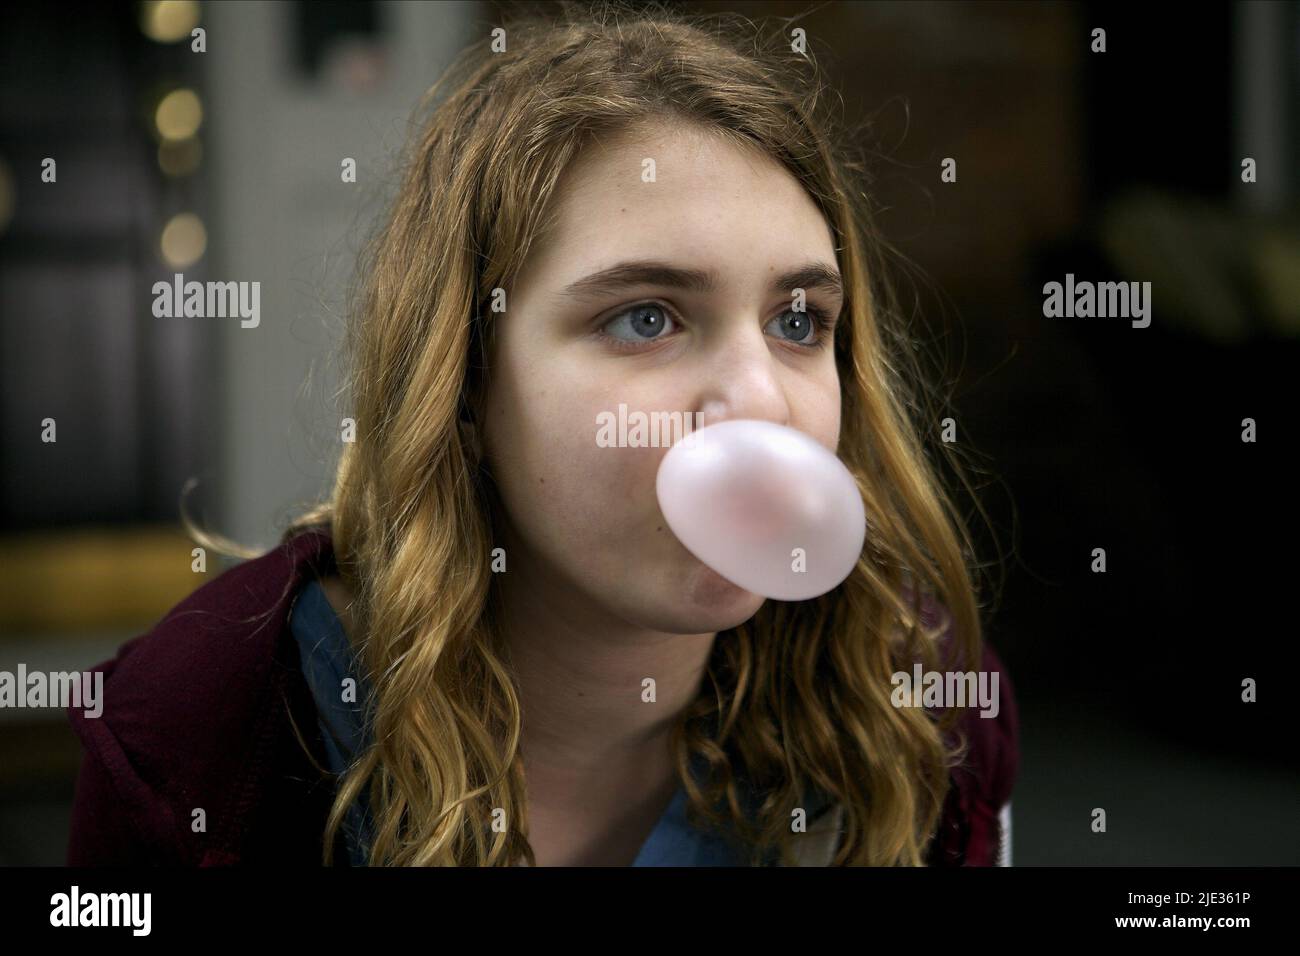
column 184, row 240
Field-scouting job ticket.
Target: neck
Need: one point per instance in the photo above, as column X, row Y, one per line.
column 581, row 675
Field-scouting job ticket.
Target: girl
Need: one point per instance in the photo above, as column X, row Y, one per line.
column 512, row 660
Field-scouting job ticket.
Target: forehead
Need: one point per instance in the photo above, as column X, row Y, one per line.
column 675, row 192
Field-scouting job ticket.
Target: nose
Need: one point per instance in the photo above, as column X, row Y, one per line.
column 742, row 379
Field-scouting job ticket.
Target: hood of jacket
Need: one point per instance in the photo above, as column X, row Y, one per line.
column 194, row 755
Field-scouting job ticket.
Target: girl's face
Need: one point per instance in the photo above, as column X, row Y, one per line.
column 582, row 522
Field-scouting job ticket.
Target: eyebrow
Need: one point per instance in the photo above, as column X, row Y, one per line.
column 811, row 275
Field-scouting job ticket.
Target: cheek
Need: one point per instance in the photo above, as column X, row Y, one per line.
column 833, row 420
column 815, row 407
column 590, row 491
column 572, row 498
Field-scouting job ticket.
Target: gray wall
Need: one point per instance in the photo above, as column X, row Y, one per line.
column 282, row 215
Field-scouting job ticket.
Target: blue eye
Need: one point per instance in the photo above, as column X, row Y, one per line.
column 647, row 322
column 812, row 328
column 641, row 322
column 794, row 326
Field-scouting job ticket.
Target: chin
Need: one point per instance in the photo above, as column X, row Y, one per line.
column 688, row 597
column 717, row 603
column 707, row 603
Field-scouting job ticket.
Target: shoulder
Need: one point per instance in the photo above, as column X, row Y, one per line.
column 973, row 819
column 184, row 709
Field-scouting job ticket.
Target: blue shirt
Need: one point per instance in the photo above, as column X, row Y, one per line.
column 327, row 660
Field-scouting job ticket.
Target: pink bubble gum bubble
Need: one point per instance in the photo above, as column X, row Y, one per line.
column 742, row 495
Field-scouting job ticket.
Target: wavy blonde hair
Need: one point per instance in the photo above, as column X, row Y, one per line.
column 797, row 696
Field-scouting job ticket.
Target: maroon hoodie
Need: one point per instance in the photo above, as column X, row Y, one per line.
column 196, row 717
